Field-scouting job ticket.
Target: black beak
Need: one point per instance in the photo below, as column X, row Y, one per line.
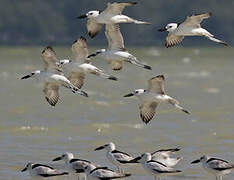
column 82, row 16
column 135, row 160
column 196, row 161
column 99, row 148
column 57, row 159
column 129, row 95
column 26, row 77
column 163, row 29
column 24, row 169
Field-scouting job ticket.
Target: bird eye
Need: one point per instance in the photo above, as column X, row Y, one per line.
column 91, row 13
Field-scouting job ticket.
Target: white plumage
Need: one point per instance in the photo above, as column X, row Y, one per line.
column 116, row 54
column 190, row 27
column 154, row 95
column 111, row 15
column 52, row 77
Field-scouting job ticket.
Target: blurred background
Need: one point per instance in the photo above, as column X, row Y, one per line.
column 53, row 22
column 199, row 73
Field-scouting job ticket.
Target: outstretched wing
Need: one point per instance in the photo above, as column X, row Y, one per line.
column 93, row 28
column 80, row 49
column 77, row 79
column 116, row 65
column 147, row 110
column 195, row 20
column 49, row 57
column 117, row 8
column 173, row 40
column 156, row 84
column 51, row 92
column 114, row 37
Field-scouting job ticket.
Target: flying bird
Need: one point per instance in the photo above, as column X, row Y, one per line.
column 116, row 54
column 81, row 66
column 190, row 27
column 154, row 95
column 111, row 15
column 52, row 77
column 41, row 170
column 216, row 166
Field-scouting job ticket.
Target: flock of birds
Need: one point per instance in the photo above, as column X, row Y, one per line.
column 71, row 74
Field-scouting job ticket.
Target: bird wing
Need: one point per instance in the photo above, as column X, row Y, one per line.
column 122, row 157
column 80, row 49
column 114, row 37
column 50, row 59
column 116, row 65
column 117, row 8
column 173, row 40
column 147, row 110
column 77, row 79
column 51, row 92
column 93, row 28
column 219, row 164
column 195, row 20
column 156, row 84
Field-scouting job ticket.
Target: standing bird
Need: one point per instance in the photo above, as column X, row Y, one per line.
column 116, row 54
column 190, row 27
column 52, row 77
column 156, row 168
column 116, row 157
column 215, row 166
column 75, row 165
column 40, row 170
column 111, row 15
column 152, row 97
column 81, row 66
column 164, row 156
column 102, row 173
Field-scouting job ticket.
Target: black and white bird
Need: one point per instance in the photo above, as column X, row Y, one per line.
column 165, row 156
column 52, row 77
column 154, row 95
column 111, row 15
column 116, row 54
column 216, row 166
column 41, row 170
column 102, row 173
column 190, row 27
column 75, row 165
column 81, row 66
column 116, row 157
column 156, row 168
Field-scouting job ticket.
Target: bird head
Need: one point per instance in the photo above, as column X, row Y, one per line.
column 169, row 27
column 136, row 92
column 90, row 14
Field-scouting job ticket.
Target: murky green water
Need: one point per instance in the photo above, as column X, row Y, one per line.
column 31, row 130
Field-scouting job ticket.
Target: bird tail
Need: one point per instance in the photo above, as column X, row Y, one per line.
column 141, row 22
column 175, row 103
column 133, row 60
column 78, row 91
column 217, row 40
column 107, row 76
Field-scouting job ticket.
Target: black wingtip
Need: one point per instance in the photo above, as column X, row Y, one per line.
column 147, row 67
column 186, row 111
column 82, row 38
column 65, row 173
column 127, row 175
column 113, row 78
